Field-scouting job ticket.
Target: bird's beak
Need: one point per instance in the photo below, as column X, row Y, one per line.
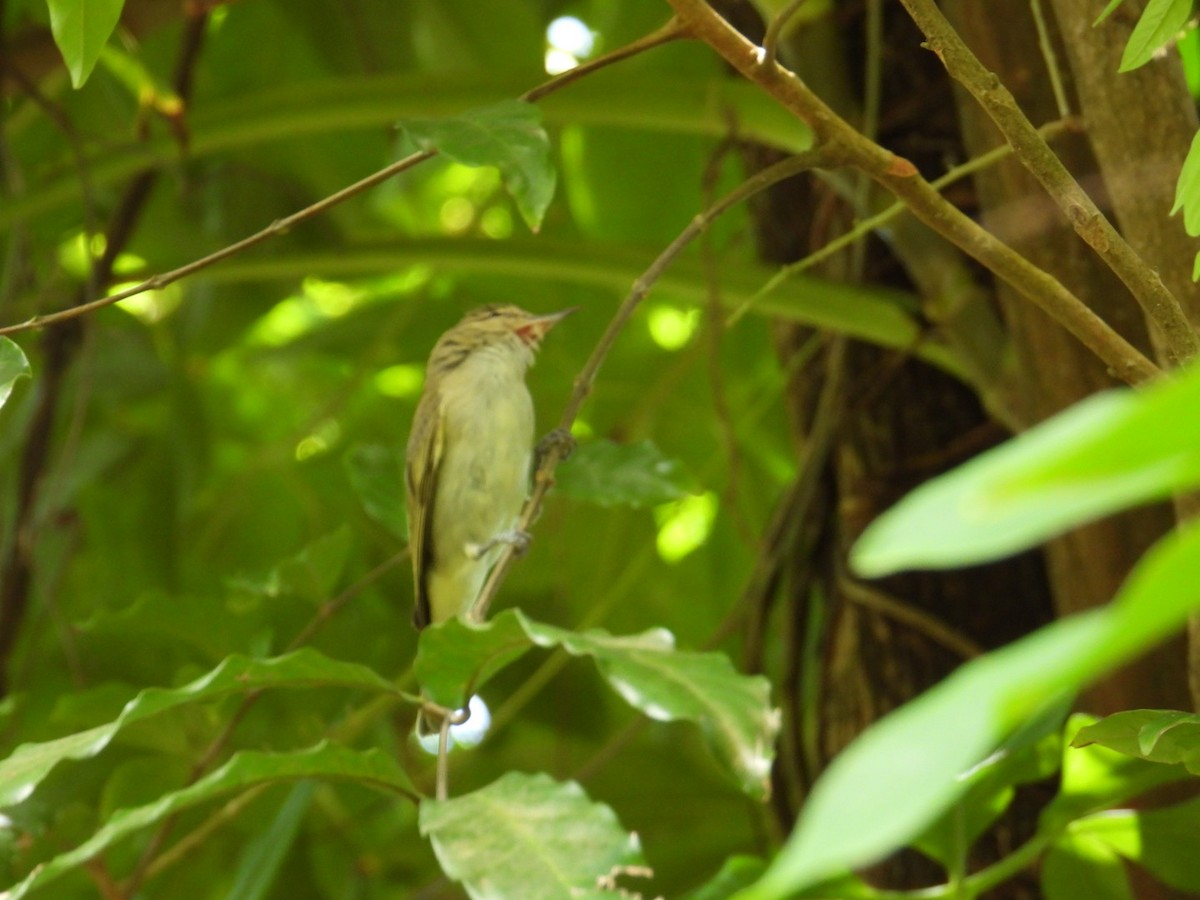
column 535, row 329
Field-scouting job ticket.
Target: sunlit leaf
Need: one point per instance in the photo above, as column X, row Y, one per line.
column 893, row 781
column 81, row 29
column 1080, row 866
column 370, row 768
column 1160, row 22
column 733, row 710
column 1104, row 454
column 1160, row 840
column 22, row 771
column 507, row 135
column 1159, row 735
column 1095, row 777
column 528, row 836
column 13, row 365
column 611, row 474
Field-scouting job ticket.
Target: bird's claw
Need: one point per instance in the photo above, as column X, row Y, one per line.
column 518, row 540
column 560, row 441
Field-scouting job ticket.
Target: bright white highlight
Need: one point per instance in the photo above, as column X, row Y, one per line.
column 570, row 35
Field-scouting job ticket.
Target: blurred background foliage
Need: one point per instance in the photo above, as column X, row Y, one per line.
column 225, row 452
column 206, row 469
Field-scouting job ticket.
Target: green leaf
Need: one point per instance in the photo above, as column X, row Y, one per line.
column 989, row 791
column 528, row 836
column 1160, row 22
column 1096, row 778
column 1158, row 735
column 455, row 659
column 310, row 574
column 611, row 474
column 737, row 872
column 1187, row 189
column 893, row 781
column 264, row 854
column 1161, row 840
column 21, row 772
column 1164, row 842
column 1104, row 454
column 370, row 768
column 377, row 475
column 313, row 572
column 1108, row 11
column 1080, row 867
column 507, row 135
column 13, row 365
column 81, row 28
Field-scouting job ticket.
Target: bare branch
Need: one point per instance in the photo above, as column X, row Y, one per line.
column 846, row 145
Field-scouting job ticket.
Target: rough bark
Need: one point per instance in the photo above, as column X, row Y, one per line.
column 1053, row 371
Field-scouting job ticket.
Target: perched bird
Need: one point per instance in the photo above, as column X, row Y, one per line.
column 469, row 455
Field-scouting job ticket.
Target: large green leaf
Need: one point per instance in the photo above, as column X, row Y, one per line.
column 1102, row 455
column 612, row 474
column 371, row 768
column 734, row 710
column 21, row 772
column 509, row 136
column 528, row 836
column 81, row 29
column 13, row 365
column 908, row 768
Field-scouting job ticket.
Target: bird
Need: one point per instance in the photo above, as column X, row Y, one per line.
column 469, row 454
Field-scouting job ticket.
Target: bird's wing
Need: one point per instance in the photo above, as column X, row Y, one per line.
column 425, row 447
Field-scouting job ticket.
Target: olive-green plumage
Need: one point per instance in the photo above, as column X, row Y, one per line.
column 469, row 455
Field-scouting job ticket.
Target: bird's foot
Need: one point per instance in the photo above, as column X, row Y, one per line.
column 519, row 540
column 560, row 442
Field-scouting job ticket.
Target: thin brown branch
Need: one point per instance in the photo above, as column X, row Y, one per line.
column 672, row 30
column 1159, row 304
column 586, row 379
column 845, row 145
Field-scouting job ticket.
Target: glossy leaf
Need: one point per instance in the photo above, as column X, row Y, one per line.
column 81, row 29
column 370, row 768
column 507, row 135
column 1102, row 455
column 734, row 710
column 611, row 474
column 25, row 768
column 13, row 365
column 527, row 836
